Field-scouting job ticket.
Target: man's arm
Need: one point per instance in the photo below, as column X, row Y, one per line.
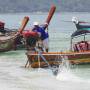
column 44, row 26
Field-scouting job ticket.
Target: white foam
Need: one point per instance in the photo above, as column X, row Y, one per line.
column 67, row 75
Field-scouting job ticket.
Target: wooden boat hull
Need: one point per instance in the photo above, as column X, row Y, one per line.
column 54, row 58
column 11, row 44
column 6, row 43
column 8, row 40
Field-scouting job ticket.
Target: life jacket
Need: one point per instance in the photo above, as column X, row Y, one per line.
column 31, row 38
column 30, row 34
column 88, row 45
column 2, row 25
column 83, row 47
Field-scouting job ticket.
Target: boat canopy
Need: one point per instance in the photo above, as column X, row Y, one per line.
column 80, row 32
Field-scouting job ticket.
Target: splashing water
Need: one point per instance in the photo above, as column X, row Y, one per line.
column 65, row 73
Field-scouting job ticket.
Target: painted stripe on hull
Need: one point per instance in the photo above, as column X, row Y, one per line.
column 56, row 58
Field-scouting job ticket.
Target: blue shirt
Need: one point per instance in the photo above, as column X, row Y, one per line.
column 41, row 30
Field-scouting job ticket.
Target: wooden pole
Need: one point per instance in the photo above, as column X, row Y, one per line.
column 84, row 37
column 20, row 30
column 24, row 23
column 71, row 45
column 50, row 14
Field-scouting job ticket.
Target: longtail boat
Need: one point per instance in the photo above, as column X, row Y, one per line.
column 79, row 52
column 7, row 41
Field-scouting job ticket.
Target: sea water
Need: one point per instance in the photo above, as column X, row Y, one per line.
column 13, row 75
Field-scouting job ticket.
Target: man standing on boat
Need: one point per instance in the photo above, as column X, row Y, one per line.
column 43, row 34
column 79, row 25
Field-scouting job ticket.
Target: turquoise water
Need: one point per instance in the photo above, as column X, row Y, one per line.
column 13, row 75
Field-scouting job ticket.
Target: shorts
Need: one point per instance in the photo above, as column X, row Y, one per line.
column 46, row 43
column 39, row 43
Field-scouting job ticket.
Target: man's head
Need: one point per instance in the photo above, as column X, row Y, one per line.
column 36, row 23
column 75, row 20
